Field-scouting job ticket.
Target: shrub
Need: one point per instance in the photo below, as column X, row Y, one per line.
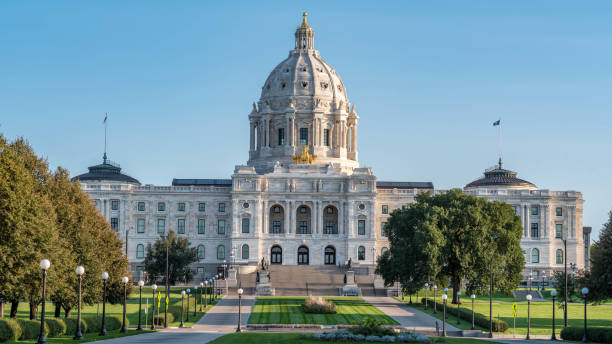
column 159, row 319
column 114, row 322
column 371, row 327
column 92, row 324
column 30, row 329
column 466, row 314
column 71, row 324
column 594, row 334
column 318, row 306
column 9, row 330
column 57, row 327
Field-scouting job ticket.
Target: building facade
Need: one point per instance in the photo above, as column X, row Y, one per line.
column 302, row 197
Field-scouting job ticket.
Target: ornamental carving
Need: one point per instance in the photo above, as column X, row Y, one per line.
column 304, row 158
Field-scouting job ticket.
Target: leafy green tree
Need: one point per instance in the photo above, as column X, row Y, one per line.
column 180, row 256
column 600, row 279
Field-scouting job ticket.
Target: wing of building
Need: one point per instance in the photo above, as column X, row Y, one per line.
column 302, row 198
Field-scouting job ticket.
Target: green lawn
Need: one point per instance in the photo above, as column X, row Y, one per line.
column 90, row 337
column 541, row 315
column 288, row 310
column 294, row 338
column 132, row 308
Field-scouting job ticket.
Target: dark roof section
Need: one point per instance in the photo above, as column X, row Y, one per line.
column 404, row 185
column 202, row 182
column 107, row 170
column 498, row 176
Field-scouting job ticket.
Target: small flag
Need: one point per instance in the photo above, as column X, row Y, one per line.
column 105, row 117
column 497, row 122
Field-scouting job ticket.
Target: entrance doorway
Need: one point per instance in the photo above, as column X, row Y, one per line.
column 330, row 255
column 303, row 255
column 276, row 255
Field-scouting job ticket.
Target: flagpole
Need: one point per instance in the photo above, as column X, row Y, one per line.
column 105, row 134
column 499, row 143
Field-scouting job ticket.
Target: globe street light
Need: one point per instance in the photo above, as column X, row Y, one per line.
column 188, row 291
column 44, row 265
column 472, row 297
column 444, row 297
column 125, row 281
column 140, row 285
column 213, row 292
column 182, row 308
column 426, row 285
column 240, row 291
column 445, row 292
column 77, row 334
column 153, row 287
column 205, row 292
column 435, row 288
column 195, row 301
column 528, row 297
column 553, row 293
column 201, row 287
column 103, row 326
column 458, row 302
column 585, row 291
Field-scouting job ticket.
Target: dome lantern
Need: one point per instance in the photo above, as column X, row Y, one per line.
column 304, row 36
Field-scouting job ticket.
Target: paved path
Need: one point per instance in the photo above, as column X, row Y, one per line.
column 219, row 320
column 407, row 316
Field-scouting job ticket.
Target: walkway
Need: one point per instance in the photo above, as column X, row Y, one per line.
column 220, row 320
column 407, row 316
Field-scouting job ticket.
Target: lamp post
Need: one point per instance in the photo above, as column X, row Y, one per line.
column 426, row 285
column 435, row 288
column 473, row 297
column 125, row 281
column 188, row 291
column 77, row 334
column 585, row 291
column 44, row 265
column 153, row 287
column 213, row 292
column 205, row 291
column 445, row 292
column 444, row 297
column 103, row 327
column 167, row 291
column 565, row 275
column 195, row 301
column 182, row 308
column 553, row 293
column 201, row 287
column 140, row 285
column 458, row 302
column 491, row 299
column 240, row 291
column 528, row 297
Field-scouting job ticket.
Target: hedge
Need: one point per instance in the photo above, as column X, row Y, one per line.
column 114, row 322
column 94, row 324
column 30, row 329
column 71, row 324
column 466, row 314
column 57, row 327
column 9, row 330
column 159, row 319
column 594, row 334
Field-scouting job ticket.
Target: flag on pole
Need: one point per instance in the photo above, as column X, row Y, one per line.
column 497, row 122
column 105, row 117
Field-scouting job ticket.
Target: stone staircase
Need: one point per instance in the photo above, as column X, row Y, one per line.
column 522, row 293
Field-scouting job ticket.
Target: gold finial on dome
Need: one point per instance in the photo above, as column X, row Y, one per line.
column 304, row 22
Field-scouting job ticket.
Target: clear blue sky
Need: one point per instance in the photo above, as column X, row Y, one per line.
column 427, row 78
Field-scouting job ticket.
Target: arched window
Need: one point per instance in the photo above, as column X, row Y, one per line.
column 559, row 256
column 277, row 217
column 302, row 219
column 361, row 253
column 383, row 251
column 201, row 252
column 220, row 252
column 535, row 255
column 140, row 251
column 330, row 220
column 245, row 251
column 303, row 255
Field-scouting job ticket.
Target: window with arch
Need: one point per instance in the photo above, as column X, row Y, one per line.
column 535, row 255
column 303, row 220
column 330, row 220
column 559, row 256
column 245, row 251
column 140, row 251
column 220, row 252
column 276, row 219
column 201, row 252
column 361, row 253
column 383, row 250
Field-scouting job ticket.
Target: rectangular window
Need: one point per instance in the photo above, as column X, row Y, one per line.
column 141, row 206
column 180, row 225
column 201, row 226
column 361, row 227
column 559, row 211
column 276, row 227
column 221, row 227
column 534, row 210
column 140, row 226
column 115, row 204
column 161, row 206
column 385, row 209
column 535, row 231
column 281, row 136
column 329, row 227
column 303, row 227
column 325, row 137
column 303, row 136
column 200, row 270
column 181, row 206
column 202, row 207
column 245, row 225
column 115, row 224
column 383, row 229
column 222, row 207
column 161, row 226
column 558, row 231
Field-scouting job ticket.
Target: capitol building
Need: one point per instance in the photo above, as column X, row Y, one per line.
column 302, row 198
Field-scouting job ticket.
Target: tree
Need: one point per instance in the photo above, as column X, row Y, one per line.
column 600, row 279
column 180, row 256
column 559, row 285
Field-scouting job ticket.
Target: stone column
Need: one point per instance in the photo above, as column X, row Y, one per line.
column 527, row 222
column 315, row 216
column 252, row 132
column 351, row 219
column 291, row 224
column 287, row 218
column 288, row 132
column 342, row 227
column 258, row 128
column 572, row 220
